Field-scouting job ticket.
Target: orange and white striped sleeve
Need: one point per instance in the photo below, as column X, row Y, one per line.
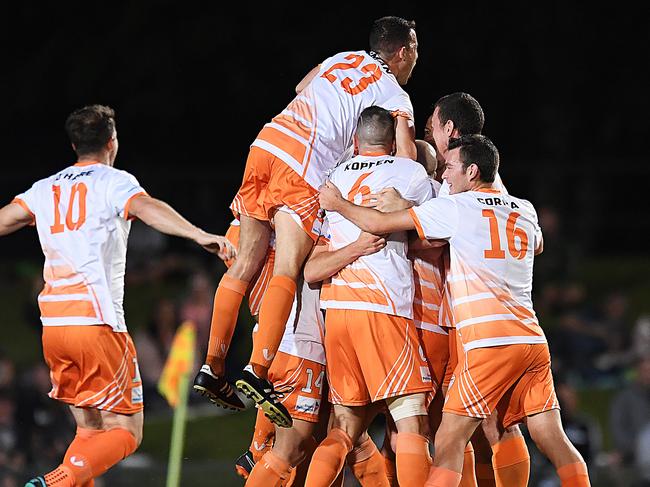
column 436, row 218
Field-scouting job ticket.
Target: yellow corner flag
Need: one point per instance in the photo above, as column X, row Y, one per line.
column 179, row 363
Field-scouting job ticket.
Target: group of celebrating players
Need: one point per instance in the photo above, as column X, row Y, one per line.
column 387, row 275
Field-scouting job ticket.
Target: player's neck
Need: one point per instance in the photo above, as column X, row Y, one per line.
column 374, row 151
column 93, row 159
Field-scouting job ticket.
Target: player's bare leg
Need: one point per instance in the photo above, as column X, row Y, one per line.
column 451, row 438
column 289, row 450
column 253, row 246
column 292, row 248
column 329, row 458
column 103, row 439
column 549, row 436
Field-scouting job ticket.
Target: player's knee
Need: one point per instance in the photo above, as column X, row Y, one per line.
column 409, row 413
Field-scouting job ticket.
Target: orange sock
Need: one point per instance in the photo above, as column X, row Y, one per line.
column 367, row 464
column 270, row 471
column 263, row 436
column 328, row 459
column 274, row 313
column 391, row 471
column 412, row 458
column 225, row 310
column 511, row 462
column 91, row 453
column 574, row 475
column 442, row 477
column 485, row 475
column 469, row 471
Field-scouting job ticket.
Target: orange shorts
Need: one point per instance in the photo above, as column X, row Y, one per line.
column 453, row 356
column 435, row 347
column 513, row 380
column 259, row 284
column 301, row 383
column 372, row 356
column 93, row 367
column 268, row 184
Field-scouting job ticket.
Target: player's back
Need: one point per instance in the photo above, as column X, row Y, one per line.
column 81, row 216
column 381, row 282
column 490, row 277
column 315, row 130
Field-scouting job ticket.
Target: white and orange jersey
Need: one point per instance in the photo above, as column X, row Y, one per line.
column 492, row 239
column 313, row 133
column 381, row 282
column 81, row 215
column 304, row 332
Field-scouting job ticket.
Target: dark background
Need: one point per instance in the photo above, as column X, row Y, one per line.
column 563, row 88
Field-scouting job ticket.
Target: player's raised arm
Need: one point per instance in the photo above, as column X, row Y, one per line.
column 367, row 219
column 14, row 217
column 324, row 263
column 159, row 215
column 405, row 136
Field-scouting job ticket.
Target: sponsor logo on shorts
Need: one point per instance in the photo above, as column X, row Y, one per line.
column 267, row 355
column 307, row 405
column 136, row 395
column 425, row 373
column 77, row 462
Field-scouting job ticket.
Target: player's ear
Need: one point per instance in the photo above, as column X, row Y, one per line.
column 450, row 128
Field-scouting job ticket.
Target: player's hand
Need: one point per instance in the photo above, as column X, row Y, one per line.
column 330, row 196
column 388, row 200
column 368, row 244
column 217, row 244
column 401, row 113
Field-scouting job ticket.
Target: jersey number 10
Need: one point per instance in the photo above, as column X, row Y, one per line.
column 78, row 196
column 512, row 233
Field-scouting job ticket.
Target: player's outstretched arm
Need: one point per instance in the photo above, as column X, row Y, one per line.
column 13, row 217
column 367, row 219
column 159, row 215
column 324, row 263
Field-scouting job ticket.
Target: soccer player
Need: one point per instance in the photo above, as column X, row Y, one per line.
column 286, row 164
column 371, row 343
column 505, row 370
column 82, row 217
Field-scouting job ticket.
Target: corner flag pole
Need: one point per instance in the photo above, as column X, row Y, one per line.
column 174, row 386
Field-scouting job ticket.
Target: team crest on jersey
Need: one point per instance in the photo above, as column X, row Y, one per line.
column 307, row 405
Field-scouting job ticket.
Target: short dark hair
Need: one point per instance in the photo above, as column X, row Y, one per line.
column 376, row 126
column 90, row 128
column 462, row 109
column 478, row 149
column 389, row 34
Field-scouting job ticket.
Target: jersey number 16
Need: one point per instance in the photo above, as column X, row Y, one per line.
column 512, row 233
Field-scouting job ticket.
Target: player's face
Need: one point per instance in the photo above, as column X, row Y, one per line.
column 437, row 133
column 455, row 173
column 409, row 59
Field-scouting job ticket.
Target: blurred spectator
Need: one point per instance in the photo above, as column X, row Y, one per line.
column 197, row 307
column 630, row 413
column 46, row 426
column 558, row 261
column 153, row 343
